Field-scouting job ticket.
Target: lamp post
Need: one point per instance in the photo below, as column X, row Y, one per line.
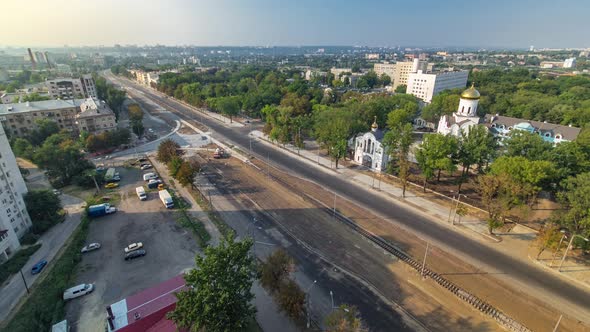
column 558, row 247
column 568, row 247
column 24, row 281
column 332, row 297
column 457, row 206
column 424, row 261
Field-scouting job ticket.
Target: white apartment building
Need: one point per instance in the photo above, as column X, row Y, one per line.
column 385, row 68
column 569, row 63
column 14, row 218
column 427, row 85
column 403, row 70
column 70, row 88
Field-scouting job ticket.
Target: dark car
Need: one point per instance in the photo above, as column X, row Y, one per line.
column 38, row 267
column 134, row 254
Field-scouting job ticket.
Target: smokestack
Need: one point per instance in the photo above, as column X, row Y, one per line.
column 33, row 62
column 46, row 54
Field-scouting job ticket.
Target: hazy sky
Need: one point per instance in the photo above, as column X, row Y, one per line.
column 486, row 23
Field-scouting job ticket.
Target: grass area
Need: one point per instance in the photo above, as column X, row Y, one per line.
column 45, row 306
column 254, row 327
column 196, row 226
column 213, row 216
column 16, row 262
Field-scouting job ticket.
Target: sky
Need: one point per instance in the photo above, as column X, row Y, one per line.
column 422, row 23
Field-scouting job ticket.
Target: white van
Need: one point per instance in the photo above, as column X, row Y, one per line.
column 77, row 291
column 149, row 176
column 141, row 193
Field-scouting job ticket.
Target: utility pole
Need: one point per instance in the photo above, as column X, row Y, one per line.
column 334, row 204
column 318, row 153
column 424, row 261
column 557, row 325
column 451, row 209
column 568, row 248
column 24, row 281
column 332, row 297
column 557, row 249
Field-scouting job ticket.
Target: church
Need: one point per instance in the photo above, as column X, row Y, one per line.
column 368, row 149
column 464, row 118
column 500, row 126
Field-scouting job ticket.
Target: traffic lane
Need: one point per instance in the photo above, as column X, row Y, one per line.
column 492, row 259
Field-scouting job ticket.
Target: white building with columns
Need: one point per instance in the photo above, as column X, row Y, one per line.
column 368, row 149
column 464, row 118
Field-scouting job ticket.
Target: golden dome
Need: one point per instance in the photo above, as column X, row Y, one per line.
column 374, row 126
column 470, row 93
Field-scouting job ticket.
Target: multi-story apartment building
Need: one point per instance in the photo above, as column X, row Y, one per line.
column 14, row 218
column 95, row 117
column 385, row 68
column 71, row 88
column 76, row 115
column 427, row 85
column 403, row 70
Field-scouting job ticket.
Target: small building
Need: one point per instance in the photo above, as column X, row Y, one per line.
column 146, row 311
column 464, row 118
column 95, row 117
column 501, row 127
column 368, row 149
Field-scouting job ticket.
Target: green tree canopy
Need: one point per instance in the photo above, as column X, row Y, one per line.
column 167, row 150
column 575, row 199
column 219, row 297
column 44, row 208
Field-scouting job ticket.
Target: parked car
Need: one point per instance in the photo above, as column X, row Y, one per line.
column 145, row 166
column 111, row 185
column 133, row 246
column 56, row 192
column 135, row 254
column 91, row 247
column 77, row 291
column 149, row 176
column 152, row 184
column 38, row 267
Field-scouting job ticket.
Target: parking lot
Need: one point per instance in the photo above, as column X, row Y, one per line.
column 170, row 250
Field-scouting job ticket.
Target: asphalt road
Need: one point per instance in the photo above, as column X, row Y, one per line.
column 535, row 280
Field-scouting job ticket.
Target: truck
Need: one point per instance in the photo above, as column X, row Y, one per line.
column 219, row 153
column 109, row 175
column 141, row 193
column 101, row 210
column 166, row 198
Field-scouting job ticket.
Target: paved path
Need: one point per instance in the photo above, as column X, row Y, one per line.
column 51, row 242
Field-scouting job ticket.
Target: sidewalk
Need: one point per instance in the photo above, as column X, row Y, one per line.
column 518, row 242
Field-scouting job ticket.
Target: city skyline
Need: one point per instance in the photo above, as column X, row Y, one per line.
column 457, row 23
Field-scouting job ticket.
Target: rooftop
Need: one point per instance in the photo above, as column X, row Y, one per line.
column 92, row 107
column 45, row 105
column 567, row 132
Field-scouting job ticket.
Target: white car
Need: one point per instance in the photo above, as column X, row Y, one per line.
column 91, row 247
column 146, row 166
column 77, row 291
column 133, row 247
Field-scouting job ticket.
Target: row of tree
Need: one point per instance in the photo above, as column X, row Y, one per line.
column 184, row 171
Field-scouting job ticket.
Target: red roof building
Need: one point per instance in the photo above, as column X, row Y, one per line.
column 146, row 310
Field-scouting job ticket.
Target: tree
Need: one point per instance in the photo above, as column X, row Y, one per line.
column 44, row 208
column 167, row 150
column 476, row 147
column 275, row 270
column 61, row 157
column 401, row 88
column 34, row 97
column 186, row 174
column 371, row 78
column 45, row 128
column 174, row 165
column 444, row 103
column 345, row 318
column 332, row 129
column 575, row 199
column 23, row 148
column 525, row 144
column 436, row 153
column 291, row 299
column 385, row 79
column 218, row 297
column 398, row 142
column 229, row 106
column 489, row 188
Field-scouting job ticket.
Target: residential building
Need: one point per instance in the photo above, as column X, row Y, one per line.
column 569, row 63
column 146, row 77
column 372, row 56
column 14, row 218
column 368, row 149
column 500, row 126
column 385, row 68
column 337, row 71
column 70, row 88
column 146, row 310
column 95, row 117
column 73, row 115
column 427, row 85
column 403, row 70
column 310, row 74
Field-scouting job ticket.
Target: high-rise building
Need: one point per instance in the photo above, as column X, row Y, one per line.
column 569, row 63
column 70, row 88
column 14, row 218
column 427, row 85
column 385, row 68
column 403, row 69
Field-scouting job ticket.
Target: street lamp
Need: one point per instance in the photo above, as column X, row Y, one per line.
column 568, row 247
column 558, row 247
column 457, row 206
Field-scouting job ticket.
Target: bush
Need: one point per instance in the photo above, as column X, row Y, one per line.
column 44, row 208
column 29, row 238
column 16, row 262
column 45, row 306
